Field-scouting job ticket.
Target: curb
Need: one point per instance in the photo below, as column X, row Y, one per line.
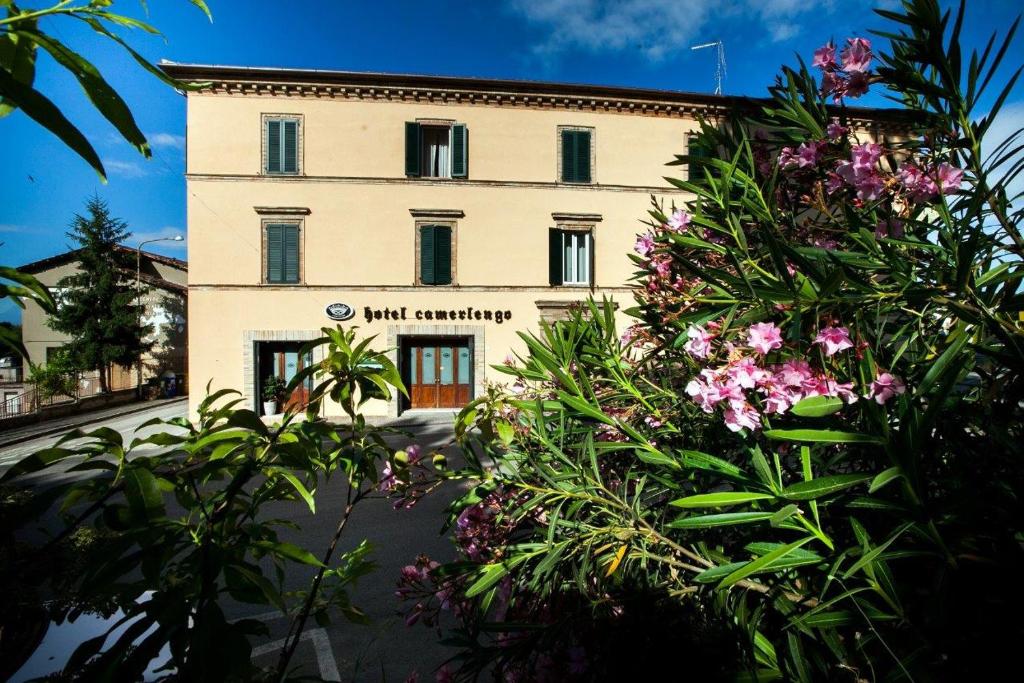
column 136, row 408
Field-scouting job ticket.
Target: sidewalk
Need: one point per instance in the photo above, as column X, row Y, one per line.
column 60, row 425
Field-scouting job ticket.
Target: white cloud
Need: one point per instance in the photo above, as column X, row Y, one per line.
column 126, row 169
column 164, row 233
column 166, row 140
column 659, row 28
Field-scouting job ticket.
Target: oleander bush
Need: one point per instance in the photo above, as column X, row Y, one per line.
column 804, row 459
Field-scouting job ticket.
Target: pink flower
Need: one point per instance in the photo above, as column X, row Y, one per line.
column 787, row 159
column 652, row 422
column 644, row 244
column 763, row 337
column 679, row 220
column 444, row 675
column 949, row 178
column 825, row 56
column 793, row 373
column 919, row 187
column 414, row 452
column 865, row 156
column 856, row 55
column 884, row 387
column 833, row 84
column 833, row 183
column 742, row 416
column 843, row 390
column 779, row 400
column 869, row 187
column 807, row 154
column 834, row 339
column 387, row 479
column 662, row 266
column 857, row 85
column 835, row 131
column 699, row 345
column 746, row 374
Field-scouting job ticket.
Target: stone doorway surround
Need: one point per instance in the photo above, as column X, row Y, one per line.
column 473, row 332
column 249, row 340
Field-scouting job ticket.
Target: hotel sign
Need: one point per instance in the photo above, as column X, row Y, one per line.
column 436, row 314
column 340, row 311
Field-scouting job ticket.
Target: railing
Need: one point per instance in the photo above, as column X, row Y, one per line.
column 30, row 402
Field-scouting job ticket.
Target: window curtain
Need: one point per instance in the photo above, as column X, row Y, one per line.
column 436, row 141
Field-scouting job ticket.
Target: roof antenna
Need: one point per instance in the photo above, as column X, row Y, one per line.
column 719, row 63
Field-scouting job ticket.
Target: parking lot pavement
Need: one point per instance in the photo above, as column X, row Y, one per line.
column 386, row 649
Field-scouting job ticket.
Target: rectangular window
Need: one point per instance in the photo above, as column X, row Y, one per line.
column 436, row 150
column 576, row 159
column 281, row 145
column 570, row 257
column 282, row 251
column 435, row 255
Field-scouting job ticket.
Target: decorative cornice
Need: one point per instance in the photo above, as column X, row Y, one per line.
column 410, row 88
column 282, row 210
column 437, row 213
column 577, row 217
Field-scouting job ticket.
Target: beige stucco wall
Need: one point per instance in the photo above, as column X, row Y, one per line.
column 358, row 240
column 38, row 336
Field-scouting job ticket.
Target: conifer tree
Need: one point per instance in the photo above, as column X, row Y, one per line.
column 100, row 307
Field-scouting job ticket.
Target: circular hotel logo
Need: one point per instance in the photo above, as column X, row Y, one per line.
column 339, row 311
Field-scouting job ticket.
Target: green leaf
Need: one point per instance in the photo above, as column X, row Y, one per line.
column 817, row 406
column 708, row 500
column 45, row 113
column 940, row 365
column 492, row 574
column 816, row 488
column 143, row 493
column 299, row 488
column 761, row 563
column 821, row 436
column 18, row 57
column 104, row 98
column 884, row 478
column 723, row 519
column 289, row 551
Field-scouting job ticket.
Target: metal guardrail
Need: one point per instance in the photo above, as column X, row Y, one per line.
column 30, row 402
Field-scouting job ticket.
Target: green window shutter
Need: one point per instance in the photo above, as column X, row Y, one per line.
column 460, row 151
column 555, row 256
column 582, row 156
column 273, row 146
column 290, row 162
column 290, row 262
column 427, row 255
column 275, row 253
column 568, row 156
column 413, row 143
column 442, row 255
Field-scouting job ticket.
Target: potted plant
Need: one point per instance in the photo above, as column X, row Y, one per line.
column 273, row 393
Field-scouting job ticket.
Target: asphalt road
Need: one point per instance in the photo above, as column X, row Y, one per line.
column 385, row 650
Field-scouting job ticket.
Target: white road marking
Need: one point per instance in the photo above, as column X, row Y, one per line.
column 321, row 645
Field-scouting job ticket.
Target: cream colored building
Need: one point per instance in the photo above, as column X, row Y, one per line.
column 310, row 188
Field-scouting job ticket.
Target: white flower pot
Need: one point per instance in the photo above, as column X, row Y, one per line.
column 270, row 407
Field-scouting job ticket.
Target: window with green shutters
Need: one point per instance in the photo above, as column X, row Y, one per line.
column 281, row 145
column 436, row 150
column 576, row 158
column 282, row 252
column 435, row 255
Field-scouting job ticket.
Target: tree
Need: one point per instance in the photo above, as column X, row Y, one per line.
column 811, row 438
column 100, row 307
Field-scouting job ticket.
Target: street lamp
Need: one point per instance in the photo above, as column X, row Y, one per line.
column 138, row 292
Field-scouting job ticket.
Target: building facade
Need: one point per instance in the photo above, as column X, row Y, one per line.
column 443, row 214
column 164, row 282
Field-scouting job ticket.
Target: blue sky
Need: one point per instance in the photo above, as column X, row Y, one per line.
column 641, row 43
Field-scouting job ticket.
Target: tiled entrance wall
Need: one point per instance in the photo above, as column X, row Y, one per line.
column 249, row 339
column 476, row 333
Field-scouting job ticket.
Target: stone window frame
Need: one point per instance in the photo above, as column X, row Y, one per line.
column 443, row 217
column 282, row 219
column 593, row 154
column 299, row 143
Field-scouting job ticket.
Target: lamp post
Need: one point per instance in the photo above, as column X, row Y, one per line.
column 138, row 292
